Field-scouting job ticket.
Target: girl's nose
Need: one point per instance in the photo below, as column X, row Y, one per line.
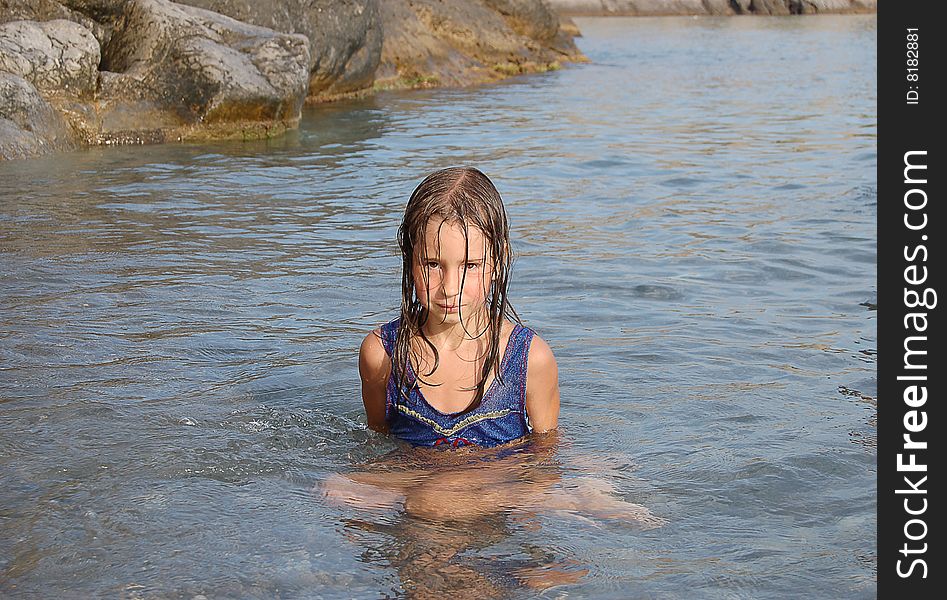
column 451, row 283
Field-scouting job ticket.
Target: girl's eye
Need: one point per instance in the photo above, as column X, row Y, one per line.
column 472, row 266
column 431, row 264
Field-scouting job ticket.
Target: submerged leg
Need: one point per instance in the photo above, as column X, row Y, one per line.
column 596, row 498
column 342, row 490
column 549, row 575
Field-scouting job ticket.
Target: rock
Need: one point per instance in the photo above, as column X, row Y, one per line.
column 168, row 71
column 528, row 17
column 146, row 71
column 176, row 65
column 761, row 7
column 460, row 42
column 47, row 10
column 804, row 7
column 57, row 57
column 29, row 125
column 345, row 37
column 32, row 10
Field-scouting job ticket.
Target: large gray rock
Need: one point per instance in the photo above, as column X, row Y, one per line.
column 345, row 37
column 48, row 10
column 32, row 10
column 57, row 57
column 187, row 66
column 29, row 125
column 144, row 71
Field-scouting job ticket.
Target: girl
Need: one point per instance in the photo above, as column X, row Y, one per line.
column 457, row 368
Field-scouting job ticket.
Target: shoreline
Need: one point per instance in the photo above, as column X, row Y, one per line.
column 138, row 72
column 667, row 8
column 120, row 72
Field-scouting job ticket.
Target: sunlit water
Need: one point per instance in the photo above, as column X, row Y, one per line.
column 694, row 217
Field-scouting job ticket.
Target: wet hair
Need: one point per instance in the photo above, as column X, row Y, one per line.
column 467, row 198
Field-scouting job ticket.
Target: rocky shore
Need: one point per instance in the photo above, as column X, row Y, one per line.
column 86, row 72
column 577, row 8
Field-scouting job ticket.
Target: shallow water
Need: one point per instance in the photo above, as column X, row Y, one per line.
column 694, row 217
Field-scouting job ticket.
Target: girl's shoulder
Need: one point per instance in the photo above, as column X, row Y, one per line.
column 541, row 359
column 373, row 361
column 377, row 346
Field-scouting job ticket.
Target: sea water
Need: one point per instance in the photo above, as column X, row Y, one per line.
column 693, row 215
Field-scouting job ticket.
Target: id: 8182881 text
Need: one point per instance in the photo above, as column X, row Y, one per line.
column 913, row 66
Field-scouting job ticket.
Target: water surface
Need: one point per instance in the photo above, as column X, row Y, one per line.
column 694, row 218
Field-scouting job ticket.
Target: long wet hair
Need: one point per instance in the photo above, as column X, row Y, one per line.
column 466, row 197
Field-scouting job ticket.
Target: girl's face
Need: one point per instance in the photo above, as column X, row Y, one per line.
column 452, row 273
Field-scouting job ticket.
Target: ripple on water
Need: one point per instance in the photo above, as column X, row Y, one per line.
column 682, row 182
column 657, row 292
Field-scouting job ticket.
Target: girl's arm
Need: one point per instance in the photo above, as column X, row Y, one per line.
column 374, row 367
column 542, row 387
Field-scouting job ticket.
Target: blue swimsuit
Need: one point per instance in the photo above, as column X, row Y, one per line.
column 500, row 418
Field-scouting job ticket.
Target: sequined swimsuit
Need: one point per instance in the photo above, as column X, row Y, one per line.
column 500, row 418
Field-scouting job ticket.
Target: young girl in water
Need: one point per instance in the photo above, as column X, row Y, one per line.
column 457, row 368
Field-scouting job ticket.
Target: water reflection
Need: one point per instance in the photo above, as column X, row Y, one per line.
column 447, row 522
